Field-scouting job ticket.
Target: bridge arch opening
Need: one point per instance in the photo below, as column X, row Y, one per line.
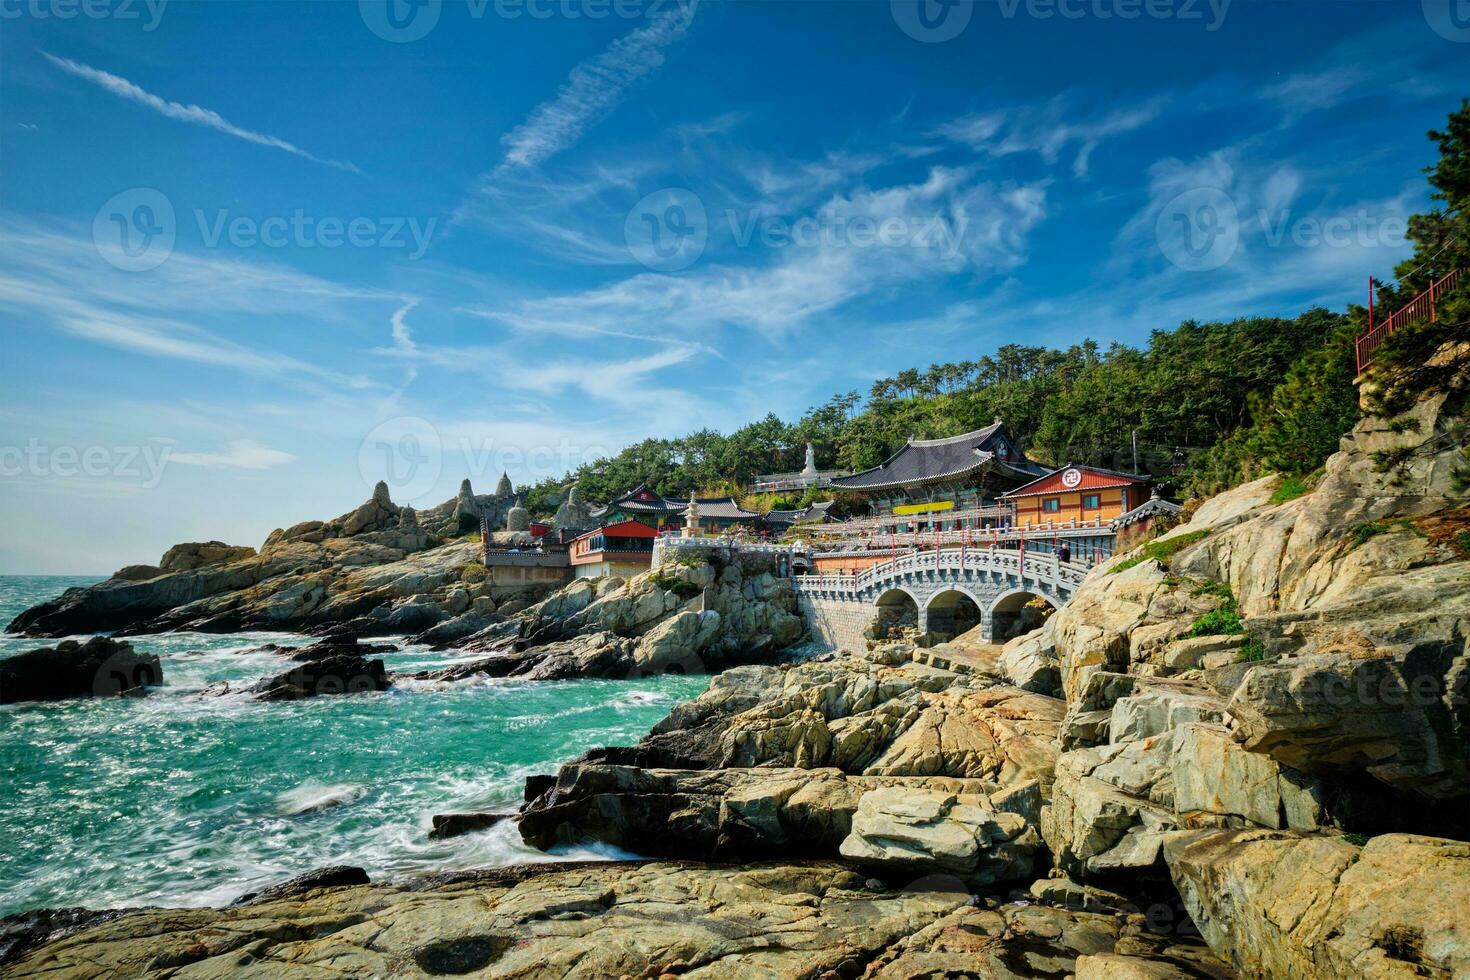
column 951, row 613
column 896, row 610
column 1018, row 613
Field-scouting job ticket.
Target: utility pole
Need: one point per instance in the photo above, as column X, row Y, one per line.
column 1135, row 450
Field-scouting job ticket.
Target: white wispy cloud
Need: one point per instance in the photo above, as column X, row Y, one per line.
column 593, row 89
column 1048, row 129
column 402, row 334
column 194, row 114
column 949, row 223
column 242, row 454
column 63, row 280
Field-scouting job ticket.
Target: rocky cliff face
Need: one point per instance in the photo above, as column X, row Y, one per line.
column 1253, row 731
column 375, row 567
column 692, row 618
column 1262, row 714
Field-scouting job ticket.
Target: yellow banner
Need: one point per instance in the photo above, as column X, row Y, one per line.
column 933, row 506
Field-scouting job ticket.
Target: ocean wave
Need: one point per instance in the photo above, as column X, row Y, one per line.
column 313, row 797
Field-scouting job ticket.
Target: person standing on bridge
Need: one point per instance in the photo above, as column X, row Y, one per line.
column 1064, row 553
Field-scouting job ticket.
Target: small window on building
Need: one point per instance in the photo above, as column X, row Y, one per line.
column 1052, row 505
column 1091, row 501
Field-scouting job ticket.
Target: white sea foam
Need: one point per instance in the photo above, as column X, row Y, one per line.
column 312, row 796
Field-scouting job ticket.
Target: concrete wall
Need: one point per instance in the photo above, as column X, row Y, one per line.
column 509, row 578
column 834, row 623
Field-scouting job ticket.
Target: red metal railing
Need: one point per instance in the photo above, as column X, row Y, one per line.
column 1419, row 308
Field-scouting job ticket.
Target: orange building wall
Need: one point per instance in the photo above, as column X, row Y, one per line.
column 1030, row 514
column 838, row 564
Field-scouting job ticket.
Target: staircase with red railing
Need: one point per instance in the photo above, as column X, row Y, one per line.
column 1421, row 307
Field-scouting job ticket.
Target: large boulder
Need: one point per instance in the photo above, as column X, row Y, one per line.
column 598, row 919
column 100, row 667
column 198, row 554
column 975, row 829
column 344, row 673
column 1293, row 905
column 927, row 831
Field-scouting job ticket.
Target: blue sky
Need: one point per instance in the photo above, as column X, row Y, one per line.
column 255, row 256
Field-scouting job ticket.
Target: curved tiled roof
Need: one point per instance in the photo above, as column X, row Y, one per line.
column 927, row 460
column 718, row 507
column 1152, row 507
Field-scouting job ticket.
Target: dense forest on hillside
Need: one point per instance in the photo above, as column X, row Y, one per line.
column 1206, row 405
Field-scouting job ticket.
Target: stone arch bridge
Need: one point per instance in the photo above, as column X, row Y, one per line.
column 947, row 591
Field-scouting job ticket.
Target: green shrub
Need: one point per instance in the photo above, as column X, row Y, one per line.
column 1291, row 488
column 1218, row 622
column 1217, row 589
column 1163, row 550
column 678, row 586
column 1360, row 533
column 1359, row 839
column 1253, row 652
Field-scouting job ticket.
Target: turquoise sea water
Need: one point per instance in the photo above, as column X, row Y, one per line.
column 183, row 798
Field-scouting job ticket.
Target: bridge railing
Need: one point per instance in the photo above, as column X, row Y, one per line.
column 1421, row 307
column 1044, row 569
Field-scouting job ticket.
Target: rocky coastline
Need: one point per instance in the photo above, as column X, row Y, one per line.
column 1242, row 749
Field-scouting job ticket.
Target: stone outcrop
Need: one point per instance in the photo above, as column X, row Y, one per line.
column 612, row 920
column 1351, row 659
column 336, row 674
column 100, row 667
column 304, row 577
column 975, row 830
column 198, row 554
column 574, row 513
column 1293, row 905
column 697, row 618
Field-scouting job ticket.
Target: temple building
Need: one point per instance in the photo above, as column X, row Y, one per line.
column 782, row 521
column 1075, row 494
column 1152, row 517
column 945, row 483
column 716, row 514
column 624, row 548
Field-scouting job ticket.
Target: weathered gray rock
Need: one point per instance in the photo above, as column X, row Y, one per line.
column 589, row 920
column 198, row 554
column 924, row 831
column 1289, row 905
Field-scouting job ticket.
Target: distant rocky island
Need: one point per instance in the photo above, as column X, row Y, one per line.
column 1241, row 748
